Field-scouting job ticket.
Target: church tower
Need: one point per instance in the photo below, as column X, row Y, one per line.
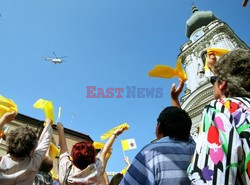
column 204, row 30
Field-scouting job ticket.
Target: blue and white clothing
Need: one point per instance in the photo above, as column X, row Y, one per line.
column 163, row 162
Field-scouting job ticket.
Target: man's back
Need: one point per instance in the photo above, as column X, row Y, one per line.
column 163, row 163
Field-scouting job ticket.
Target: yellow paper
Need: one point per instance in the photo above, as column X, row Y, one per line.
column 128, row 144
column 110, row 132
column 54, row 175
column 216, row 51
column 162, row 71
column 124, row 170
column 180, row 71
column 53, row 151
column 7, row 105
column 165, row 71
column 98, row 145
column 47, row 106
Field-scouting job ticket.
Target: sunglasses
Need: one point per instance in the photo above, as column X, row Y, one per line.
column 213, row 79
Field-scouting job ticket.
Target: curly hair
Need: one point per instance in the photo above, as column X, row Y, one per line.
column 21, row 141
column 175, row 123
column 83, row 154
column 234, row 68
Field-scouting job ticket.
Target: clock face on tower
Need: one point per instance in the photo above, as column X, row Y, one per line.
column 196, row 35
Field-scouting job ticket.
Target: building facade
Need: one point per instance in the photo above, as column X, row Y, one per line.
column 204, row 30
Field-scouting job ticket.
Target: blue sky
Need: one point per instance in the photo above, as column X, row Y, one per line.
column 109, row 44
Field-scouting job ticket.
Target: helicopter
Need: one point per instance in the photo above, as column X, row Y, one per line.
column 56, row 60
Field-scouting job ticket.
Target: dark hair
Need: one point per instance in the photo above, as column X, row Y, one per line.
column 175, row 123
column 234, row 68
column 21, row 141
column 46, row 165
column 83, row 154
column 116, row 179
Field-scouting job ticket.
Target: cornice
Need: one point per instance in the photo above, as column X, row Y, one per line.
column 196, row 101
column 38, row 123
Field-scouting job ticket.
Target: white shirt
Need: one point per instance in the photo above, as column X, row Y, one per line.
column 23, row 171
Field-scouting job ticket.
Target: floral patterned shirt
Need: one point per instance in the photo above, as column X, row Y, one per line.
column 222, row 154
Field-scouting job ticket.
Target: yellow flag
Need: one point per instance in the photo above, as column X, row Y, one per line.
column 53, row 151
column 128, row 144
column 7, row 105
column 47, row 106
column 98, row 145
column 216, row 51
column 110, row 132
column 165, row 71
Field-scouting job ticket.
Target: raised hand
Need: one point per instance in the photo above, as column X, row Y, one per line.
column 127, row 161
column 8, row 117
column 175, row 92
column 119, row 131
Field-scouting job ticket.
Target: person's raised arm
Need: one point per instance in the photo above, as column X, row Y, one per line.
column 6, row 118
column 62, row 139
column 110, row 142
column 175, row 92
column 127, row 161
column 104, row 176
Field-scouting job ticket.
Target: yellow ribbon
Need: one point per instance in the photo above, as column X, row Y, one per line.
column 216, row 51
column 98, row 145
column 7, row 105
column 124, row 170
column 53, row 151
column 110, row 132
column 54, row 175
column 47, row 106
column 165, row 71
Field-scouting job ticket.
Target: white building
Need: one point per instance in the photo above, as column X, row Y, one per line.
column 204, row 30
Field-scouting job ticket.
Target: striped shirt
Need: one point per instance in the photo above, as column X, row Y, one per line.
column 163, row 162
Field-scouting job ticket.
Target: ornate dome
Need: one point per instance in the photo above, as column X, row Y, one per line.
column 198, row 19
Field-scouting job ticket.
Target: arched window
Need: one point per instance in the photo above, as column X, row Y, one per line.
column 203, row 57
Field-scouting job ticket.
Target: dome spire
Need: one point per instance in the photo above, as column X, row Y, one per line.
column 194, row 8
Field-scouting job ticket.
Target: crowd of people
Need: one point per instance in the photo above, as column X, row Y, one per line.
column 221, row 154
